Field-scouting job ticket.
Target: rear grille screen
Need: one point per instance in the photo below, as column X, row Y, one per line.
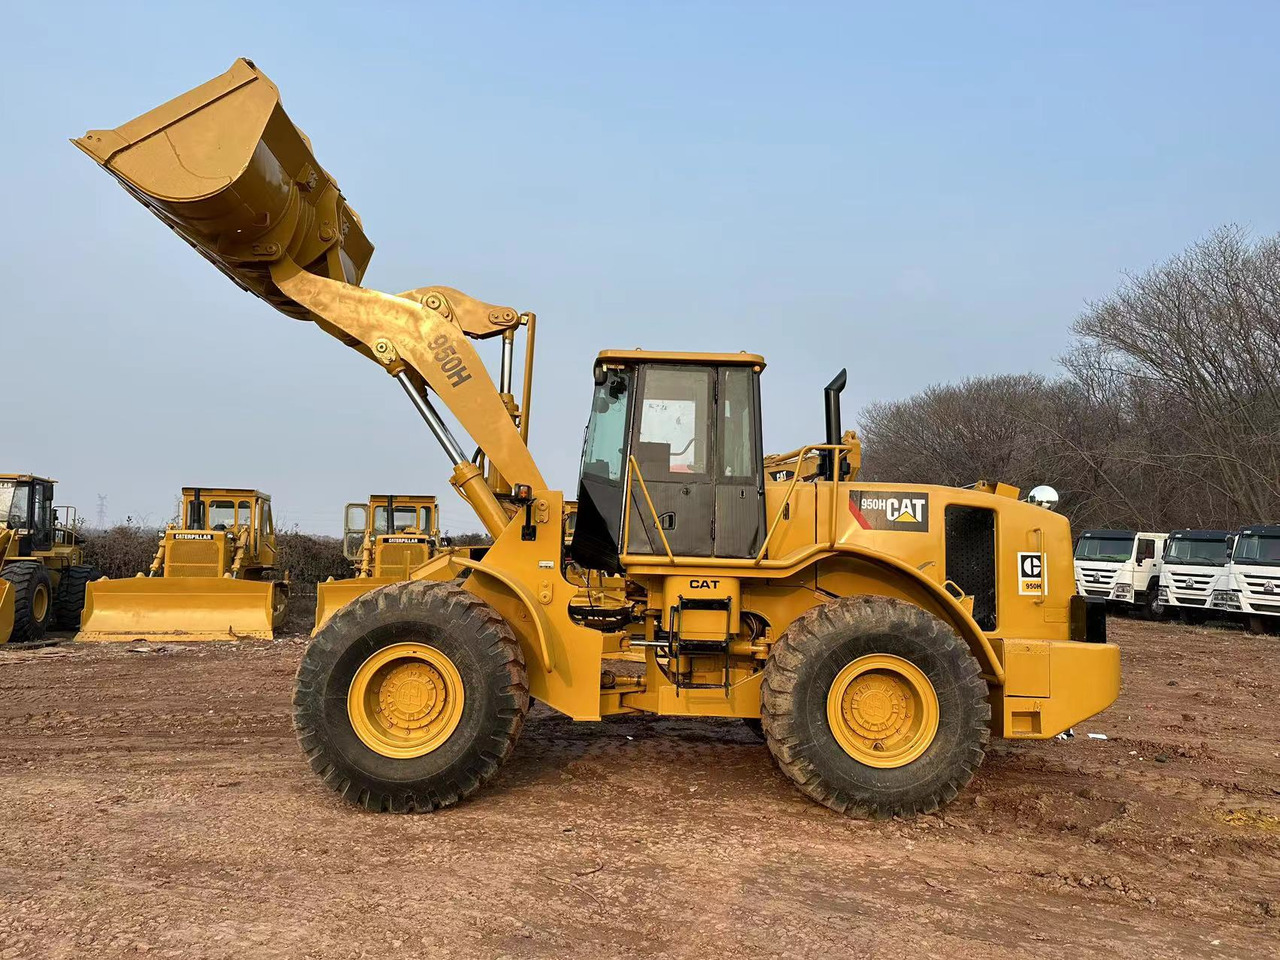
column 971, row 558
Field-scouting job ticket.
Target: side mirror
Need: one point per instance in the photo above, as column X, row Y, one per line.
column 1043, row 496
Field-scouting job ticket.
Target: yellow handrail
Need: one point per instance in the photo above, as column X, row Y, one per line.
column 840, row 451
column 626, row 507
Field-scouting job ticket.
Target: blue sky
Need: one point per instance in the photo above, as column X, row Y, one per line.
column 917, row 192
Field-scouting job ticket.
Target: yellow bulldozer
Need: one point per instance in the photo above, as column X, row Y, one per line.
column 43, row 575
column 385, row 539
column 879, row 634
column 213, row 577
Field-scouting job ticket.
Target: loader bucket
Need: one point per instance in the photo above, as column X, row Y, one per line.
column 224, row 167
column 6, row 611
column 181, row 608
column 333, row 595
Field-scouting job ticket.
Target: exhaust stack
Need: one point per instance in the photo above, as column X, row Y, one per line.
column 831, row 399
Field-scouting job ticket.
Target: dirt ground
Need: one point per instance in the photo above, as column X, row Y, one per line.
column 155, row 803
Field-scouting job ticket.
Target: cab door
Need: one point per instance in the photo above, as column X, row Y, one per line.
column 672, row 445
column 355, row 520
column 696, row 441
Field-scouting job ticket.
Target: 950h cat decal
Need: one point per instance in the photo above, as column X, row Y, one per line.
column 890, row 510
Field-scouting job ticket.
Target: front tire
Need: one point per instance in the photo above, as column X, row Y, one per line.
column 1152, row 608
column 68, row 603
column 411, row 697
column 874, row 707
column 32, row 601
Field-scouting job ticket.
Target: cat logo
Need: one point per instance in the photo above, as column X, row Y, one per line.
column 890, row 510
column 1031, row 574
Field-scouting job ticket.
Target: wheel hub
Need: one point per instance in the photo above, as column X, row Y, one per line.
column 883, row 711
column 405, row 700
column 40, row 603
column 411, row 696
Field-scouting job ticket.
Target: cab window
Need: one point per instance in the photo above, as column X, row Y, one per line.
column 357, row 518
column 607, row 428
column 222, row 514
column 674, row 422
column 15, row 505
column 244, row 514
column 738, row 456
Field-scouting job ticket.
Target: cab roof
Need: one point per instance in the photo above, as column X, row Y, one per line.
column 26, row 478
column 190, row 492
column 378, row 499
column 1261, row 530
column 742, row 359
column 1202, row 534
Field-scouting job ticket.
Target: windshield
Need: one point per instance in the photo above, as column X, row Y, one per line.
column 1256, row 549
column 15, row 505
column 607, row 428
column 222, row 514
column 1204, row 553
column 1111, row 549
column 404, row 517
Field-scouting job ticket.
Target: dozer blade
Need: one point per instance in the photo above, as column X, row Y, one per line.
column 180, row 608
column 333, row 595
column 225, row 167
column 6, row 611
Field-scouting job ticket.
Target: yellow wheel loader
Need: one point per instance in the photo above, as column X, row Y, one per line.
column 880, row 633
column 213, row 577
column 43, row 575
column 385, row 540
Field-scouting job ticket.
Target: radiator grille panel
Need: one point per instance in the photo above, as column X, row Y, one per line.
column 193, row 558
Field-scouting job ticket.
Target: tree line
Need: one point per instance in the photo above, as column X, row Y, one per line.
column 1166, row 413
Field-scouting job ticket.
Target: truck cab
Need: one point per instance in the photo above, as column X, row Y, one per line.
column 1194, row 565
column 1250, row 585
column 1120, row 566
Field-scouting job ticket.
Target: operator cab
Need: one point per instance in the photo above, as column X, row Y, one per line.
column 684, row 430
column 225, row 509
column 26, row 507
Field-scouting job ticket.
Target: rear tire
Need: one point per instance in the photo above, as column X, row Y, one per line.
column 68, row 602
column 32, row 600
column 918, row 771
column 471, row 686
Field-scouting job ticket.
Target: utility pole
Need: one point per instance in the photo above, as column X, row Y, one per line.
column 102, row 511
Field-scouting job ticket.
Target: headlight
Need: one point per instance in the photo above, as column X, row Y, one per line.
column 1162, row 593
column 1124, row 590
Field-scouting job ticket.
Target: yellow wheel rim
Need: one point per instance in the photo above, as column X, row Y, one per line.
column 405, row 700
column 40, row 603
column 883, row 710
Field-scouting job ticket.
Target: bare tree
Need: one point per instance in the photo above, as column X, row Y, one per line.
column 1169, row 415
column 1190, row 353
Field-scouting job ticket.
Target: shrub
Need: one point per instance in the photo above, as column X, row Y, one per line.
column 122, row 551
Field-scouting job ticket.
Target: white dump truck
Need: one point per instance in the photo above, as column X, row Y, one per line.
column 1193, row 570
column 1121, row 567
column 1250, row 586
